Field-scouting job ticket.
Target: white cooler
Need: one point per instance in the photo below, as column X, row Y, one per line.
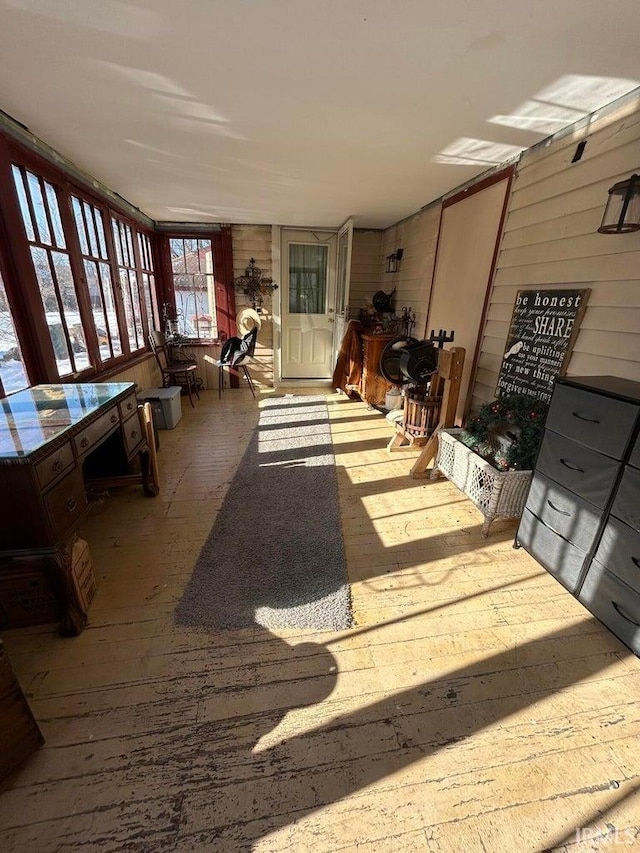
column 166, row 405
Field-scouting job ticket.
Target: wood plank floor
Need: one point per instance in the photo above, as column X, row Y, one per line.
column 475, row 705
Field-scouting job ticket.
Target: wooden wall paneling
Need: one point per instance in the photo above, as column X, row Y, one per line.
column 417, row 236
column 366, row 268
column 543, row 163
column 550, row 240
column 254, row 241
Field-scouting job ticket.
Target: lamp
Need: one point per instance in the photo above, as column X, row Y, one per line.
column 622, row 213
column 393, row 260
column 254, row 285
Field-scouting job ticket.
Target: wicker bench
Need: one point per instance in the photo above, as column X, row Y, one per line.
column 497, row 494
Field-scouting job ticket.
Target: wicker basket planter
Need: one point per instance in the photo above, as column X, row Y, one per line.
column 497, row 494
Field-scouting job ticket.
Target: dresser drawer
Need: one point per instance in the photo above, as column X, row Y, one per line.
column 559, row 557
column 599, row 422
column 614, row 604
column 87, row 438
column 634, row 457
column 564, row 512
column 627, row 502
column 132, row 433
column 619, row 552
column 65, row 504
column 128, row 406
column 579, row 469
column 52, row 466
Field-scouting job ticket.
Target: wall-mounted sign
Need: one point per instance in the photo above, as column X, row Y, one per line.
column 544, row 326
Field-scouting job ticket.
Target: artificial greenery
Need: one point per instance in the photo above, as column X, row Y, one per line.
column 517, row 419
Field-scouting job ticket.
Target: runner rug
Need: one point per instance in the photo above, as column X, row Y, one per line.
column 275, row 556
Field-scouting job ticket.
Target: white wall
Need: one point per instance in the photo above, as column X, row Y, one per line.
column 550, row 239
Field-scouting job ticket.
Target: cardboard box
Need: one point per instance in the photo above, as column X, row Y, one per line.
column 166, row 405
column 30, row 592
column 83, row 579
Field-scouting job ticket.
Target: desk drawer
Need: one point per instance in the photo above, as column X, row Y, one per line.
column 132, row 433
column 87, row 438
column 583, row 471
column 564, row 512
column 599, row 422
column 559, row 557
column 65, row 504
column 614, row 604
column 128, row 406
column 53, row 465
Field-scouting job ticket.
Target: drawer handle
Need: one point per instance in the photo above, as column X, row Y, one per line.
column 84, row 441
column 134, row 433
column 571, row 467
column 129, row 405
column 72, row 505
column 57, row 465
column 621, row 612
column 113, row 418
column 583, row 418
column 557, row 509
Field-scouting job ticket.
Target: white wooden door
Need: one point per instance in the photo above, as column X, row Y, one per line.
column 308, row 303
column 343, row 280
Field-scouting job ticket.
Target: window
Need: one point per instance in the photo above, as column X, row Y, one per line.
column 97, row 270
column 51, row 262
column 307, row 278
column 13, row 376
column 82, row 279
column 194, row 287
column 123, row 239
column 148, row 280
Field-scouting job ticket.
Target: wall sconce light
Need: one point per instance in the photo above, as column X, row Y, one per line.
column 622, row 213
column 393, row 261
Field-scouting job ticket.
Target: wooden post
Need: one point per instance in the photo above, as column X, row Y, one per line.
column 450, row 370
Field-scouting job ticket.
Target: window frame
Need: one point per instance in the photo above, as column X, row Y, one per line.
column 222, row 250
column 21, row 281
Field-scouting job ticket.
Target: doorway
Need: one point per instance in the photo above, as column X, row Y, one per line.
column 308, row 271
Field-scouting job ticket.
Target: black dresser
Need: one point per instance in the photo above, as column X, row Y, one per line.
column 582, row 516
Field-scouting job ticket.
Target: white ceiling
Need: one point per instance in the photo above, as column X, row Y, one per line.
column 303, row 113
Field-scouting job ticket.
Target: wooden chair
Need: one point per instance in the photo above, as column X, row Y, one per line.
column 182, row 374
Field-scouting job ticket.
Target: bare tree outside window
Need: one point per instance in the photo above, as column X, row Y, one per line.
column 13, row 376
column 194, row 287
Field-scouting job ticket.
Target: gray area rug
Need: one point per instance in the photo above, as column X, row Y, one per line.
column 275, row 556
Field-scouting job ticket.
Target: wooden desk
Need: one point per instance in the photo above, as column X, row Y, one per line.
column 54, row 440
column 51, row 437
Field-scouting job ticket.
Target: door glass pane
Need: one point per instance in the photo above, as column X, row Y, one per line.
column 12, row 372
column 307, row 279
